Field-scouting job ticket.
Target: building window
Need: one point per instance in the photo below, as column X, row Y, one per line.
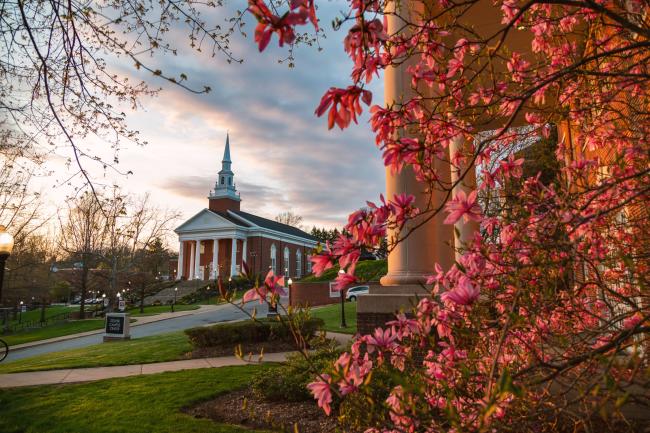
column 298, row 264
column 273, row 258
column 287, row 266
column 230, row 181
column 308, row 266
column 222, row 180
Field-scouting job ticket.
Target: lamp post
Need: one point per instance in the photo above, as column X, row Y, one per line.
column 6, row 246
column 20, row 313
column 175, row 293
column 289, row 284
column 343, row 324
column 229, row 284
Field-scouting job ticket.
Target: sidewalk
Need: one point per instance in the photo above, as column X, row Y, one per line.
column 76, row 375
column 138, row 321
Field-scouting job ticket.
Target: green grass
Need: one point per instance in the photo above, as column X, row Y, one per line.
column 157, row 348
column 35, row 315
column 141, row 404
column 331, row 315
column 52, row 331
column 368, row 270
column 152, row 310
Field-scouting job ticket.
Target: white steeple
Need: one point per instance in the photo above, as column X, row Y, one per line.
column 225, row 185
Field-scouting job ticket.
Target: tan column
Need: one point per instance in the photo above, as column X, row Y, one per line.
column 215, row 258
column 463, row 231
column 233, row 258
column 413, row 259
column 197, row 259
column 179, row 272
column 243, row 253
column 191, row 265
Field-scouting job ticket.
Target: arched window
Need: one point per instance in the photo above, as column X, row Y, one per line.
column 273, row 258
column 298, row 264
column 308, row 265
column 287, row 266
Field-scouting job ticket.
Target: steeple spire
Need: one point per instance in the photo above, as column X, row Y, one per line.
column 224, row 187
column 226, row 151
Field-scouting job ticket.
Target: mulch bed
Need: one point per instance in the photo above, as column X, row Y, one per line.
column 243, row 408
column 254, row 348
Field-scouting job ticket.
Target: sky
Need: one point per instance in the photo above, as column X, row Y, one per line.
column 284, row 157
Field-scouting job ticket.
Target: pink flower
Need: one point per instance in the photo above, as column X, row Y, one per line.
column 272, row 285
column 344, row 280
column 321, row 263
column 381, row 339
column 322, row 392
column 463, row 206
column 465, row 293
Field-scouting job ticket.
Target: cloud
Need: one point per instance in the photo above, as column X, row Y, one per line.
column 284, row 158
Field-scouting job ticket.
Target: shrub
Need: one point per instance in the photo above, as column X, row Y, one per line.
column 289, row 382
column 249, row 331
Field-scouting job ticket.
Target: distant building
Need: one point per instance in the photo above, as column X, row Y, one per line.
column 216, row 241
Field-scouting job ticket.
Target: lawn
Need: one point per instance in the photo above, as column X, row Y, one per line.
column 157, row 348
column 367, row 270
column 52, row 331
column 152, row 310
column 35, row 314
column 331, row 315
column 141, row 404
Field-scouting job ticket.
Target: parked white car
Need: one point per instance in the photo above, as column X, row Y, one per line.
column 354, row 292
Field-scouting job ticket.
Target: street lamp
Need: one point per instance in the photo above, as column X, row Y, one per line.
column 289, row 284
column 343, row 324
column 20, row 317
column 175, row 293
column 6, row 245
column 229, row 283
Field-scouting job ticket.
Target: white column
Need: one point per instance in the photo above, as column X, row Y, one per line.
column 243, row 253
column 233, row 258
column 197, row 258
column 191, row 276
column 215, row 258
column 179, row 272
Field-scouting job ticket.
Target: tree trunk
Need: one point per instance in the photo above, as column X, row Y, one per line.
column 84, row 287
column 142, row 297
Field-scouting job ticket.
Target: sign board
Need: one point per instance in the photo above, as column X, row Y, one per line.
column 122, row 305
column 114, row 325
column 117, row 326
column 105, row 302
column 23, row 308
column 334, row 293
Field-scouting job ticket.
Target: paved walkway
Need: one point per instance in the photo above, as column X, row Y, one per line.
column 76, row 375
column 143, row 320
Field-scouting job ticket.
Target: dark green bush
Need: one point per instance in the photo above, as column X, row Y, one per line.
column 249, row 331
column 289, row 382
column 360, row 411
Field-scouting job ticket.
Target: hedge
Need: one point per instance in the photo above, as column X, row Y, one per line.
column 249, row 331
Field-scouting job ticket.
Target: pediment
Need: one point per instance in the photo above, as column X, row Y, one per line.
column 205, row 220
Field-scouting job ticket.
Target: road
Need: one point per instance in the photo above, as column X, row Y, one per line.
column 224, row 313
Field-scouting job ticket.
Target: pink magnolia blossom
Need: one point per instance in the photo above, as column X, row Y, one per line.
column 322, row 392
column 463, row 206
column 273, row 285
column 465, row 293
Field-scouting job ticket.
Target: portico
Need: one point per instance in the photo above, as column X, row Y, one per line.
column 210, row 255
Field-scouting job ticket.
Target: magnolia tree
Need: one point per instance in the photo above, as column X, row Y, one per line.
column 542, row 322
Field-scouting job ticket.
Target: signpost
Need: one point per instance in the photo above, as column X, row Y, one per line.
column 117, row 327
column 122, row 305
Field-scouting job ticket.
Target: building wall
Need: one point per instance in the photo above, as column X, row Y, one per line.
column 261, row 260
column 223, row 204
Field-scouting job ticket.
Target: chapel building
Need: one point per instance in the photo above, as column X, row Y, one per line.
column 217, row 240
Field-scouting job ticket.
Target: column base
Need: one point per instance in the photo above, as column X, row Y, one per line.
column 384, row 302
column 404, row 278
